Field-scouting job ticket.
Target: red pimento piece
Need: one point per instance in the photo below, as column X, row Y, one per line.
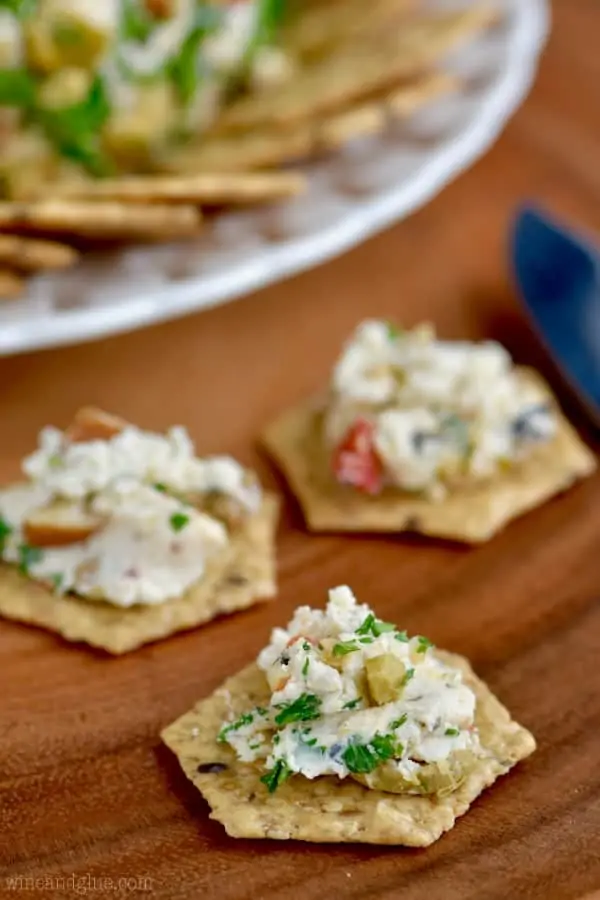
column 355, row 461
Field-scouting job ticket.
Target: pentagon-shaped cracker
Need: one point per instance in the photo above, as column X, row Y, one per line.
column 357, row 70
column 267, row 146
column 472, row 514
column 327, row 809
column 239, row 577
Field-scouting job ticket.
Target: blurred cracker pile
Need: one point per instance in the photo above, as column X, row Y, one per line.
column 355, row 66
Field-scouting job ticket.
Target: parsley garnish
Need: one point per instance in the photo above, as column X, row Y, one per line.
column 401, row 636
column 183, row 67
column 75, row 129
column 305, row 666
column 410, row 673
column 352, row 704
column 17, row 88
column 394, row 331
column 398, row 722
column 28, row 556
column 56, row 581
column 137, row 23
column 423, row 644
column 303, row 709
column 160, row 487
column 277, row 775
column 452, row 732
column 374, row 626
column 244, row 719
column 178, row 521
column 363, row 758
column 5, row 531
column 344, row 647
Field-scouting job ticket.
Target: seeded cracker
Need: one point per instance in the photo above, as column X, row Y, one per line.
column 30, row 255
column 357, row 70
column 236, row 579
column 101, row 220
column 206, row 188
column 471, row 515
column 267, row 146
column 327, row 809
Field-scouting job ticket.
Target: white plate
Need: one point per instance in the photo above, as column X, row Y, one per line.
column 369, row 185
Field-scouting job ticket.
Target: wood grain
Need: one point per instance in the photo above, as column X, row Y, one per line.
column 86, row 791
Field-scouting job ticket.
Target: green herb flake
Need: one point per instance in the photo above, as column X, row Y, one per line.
column 5, row 532
column 261, row 711
column 397, row 723
column 277, row 775
column 17, row 89
column 28, row 556
column 305, row 666
column 374, row 626
column 359, row 758
column 57, row 581
column 303, row 709
column 394, row 331
column 345, row 647
column 244, row 719
column 408, row 675
column 402, row 636
column 159, row 486
column 452, row 732
column 423, row 644
column 178, row 521
column 276, row 738
column 352, row 704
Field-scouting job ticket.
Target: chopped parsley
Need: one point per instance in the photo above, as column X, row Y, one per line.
column 304, row 708
column 17, row 88
column 374, row 626
column 277, row 775
column 305, row 666
column 5, row 532
column 160, row 487
column 410, row 673
column 345, row 647
column 178, row 521
column 244, row 719
column 398, row 722
column 423, row 644
column 394, row 331
column 137, row 22
column 363, row 758
column 352, row 704
column 57, row 581
column 401, row 636
column 452, row 732
column 28, row 556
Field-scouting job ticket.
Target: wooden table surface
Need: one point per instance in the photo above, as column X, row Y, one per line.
column 86, row 790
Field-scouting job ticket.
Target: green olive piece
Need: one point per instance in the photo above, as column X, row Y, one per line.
column 441, row 778
column 385, row 677
column 56, row 38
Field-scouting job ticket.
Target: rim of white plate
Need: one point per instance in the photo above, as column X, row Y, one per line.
column 279, row 261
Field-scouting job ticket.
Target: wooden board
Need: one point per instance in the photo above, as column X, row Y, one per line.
column 86, row 791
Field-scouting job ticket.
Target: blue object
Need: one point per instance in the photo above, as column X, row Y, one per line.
column 558, row 276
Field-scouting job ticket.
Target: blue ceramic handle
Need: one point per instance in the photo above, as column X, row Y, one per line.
column 558, row 276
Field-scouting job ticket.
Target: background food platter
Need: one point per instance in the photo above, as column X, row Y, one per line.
column 362, row 189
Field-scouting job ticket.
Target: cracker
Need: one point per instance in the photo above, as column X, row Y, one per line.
column 108, row 220
column 472, row 514
column 31, row 254
column 206, row 188
column 236, row 579
column 10, row 285
column 267, row 147
column 327, row 809
column 357, row 70
column 328, row 25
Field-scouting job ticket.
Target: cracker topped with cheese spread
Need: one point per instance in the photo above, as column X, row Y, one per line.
column 447, row 438
column 121, row 536
column 347, row 729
